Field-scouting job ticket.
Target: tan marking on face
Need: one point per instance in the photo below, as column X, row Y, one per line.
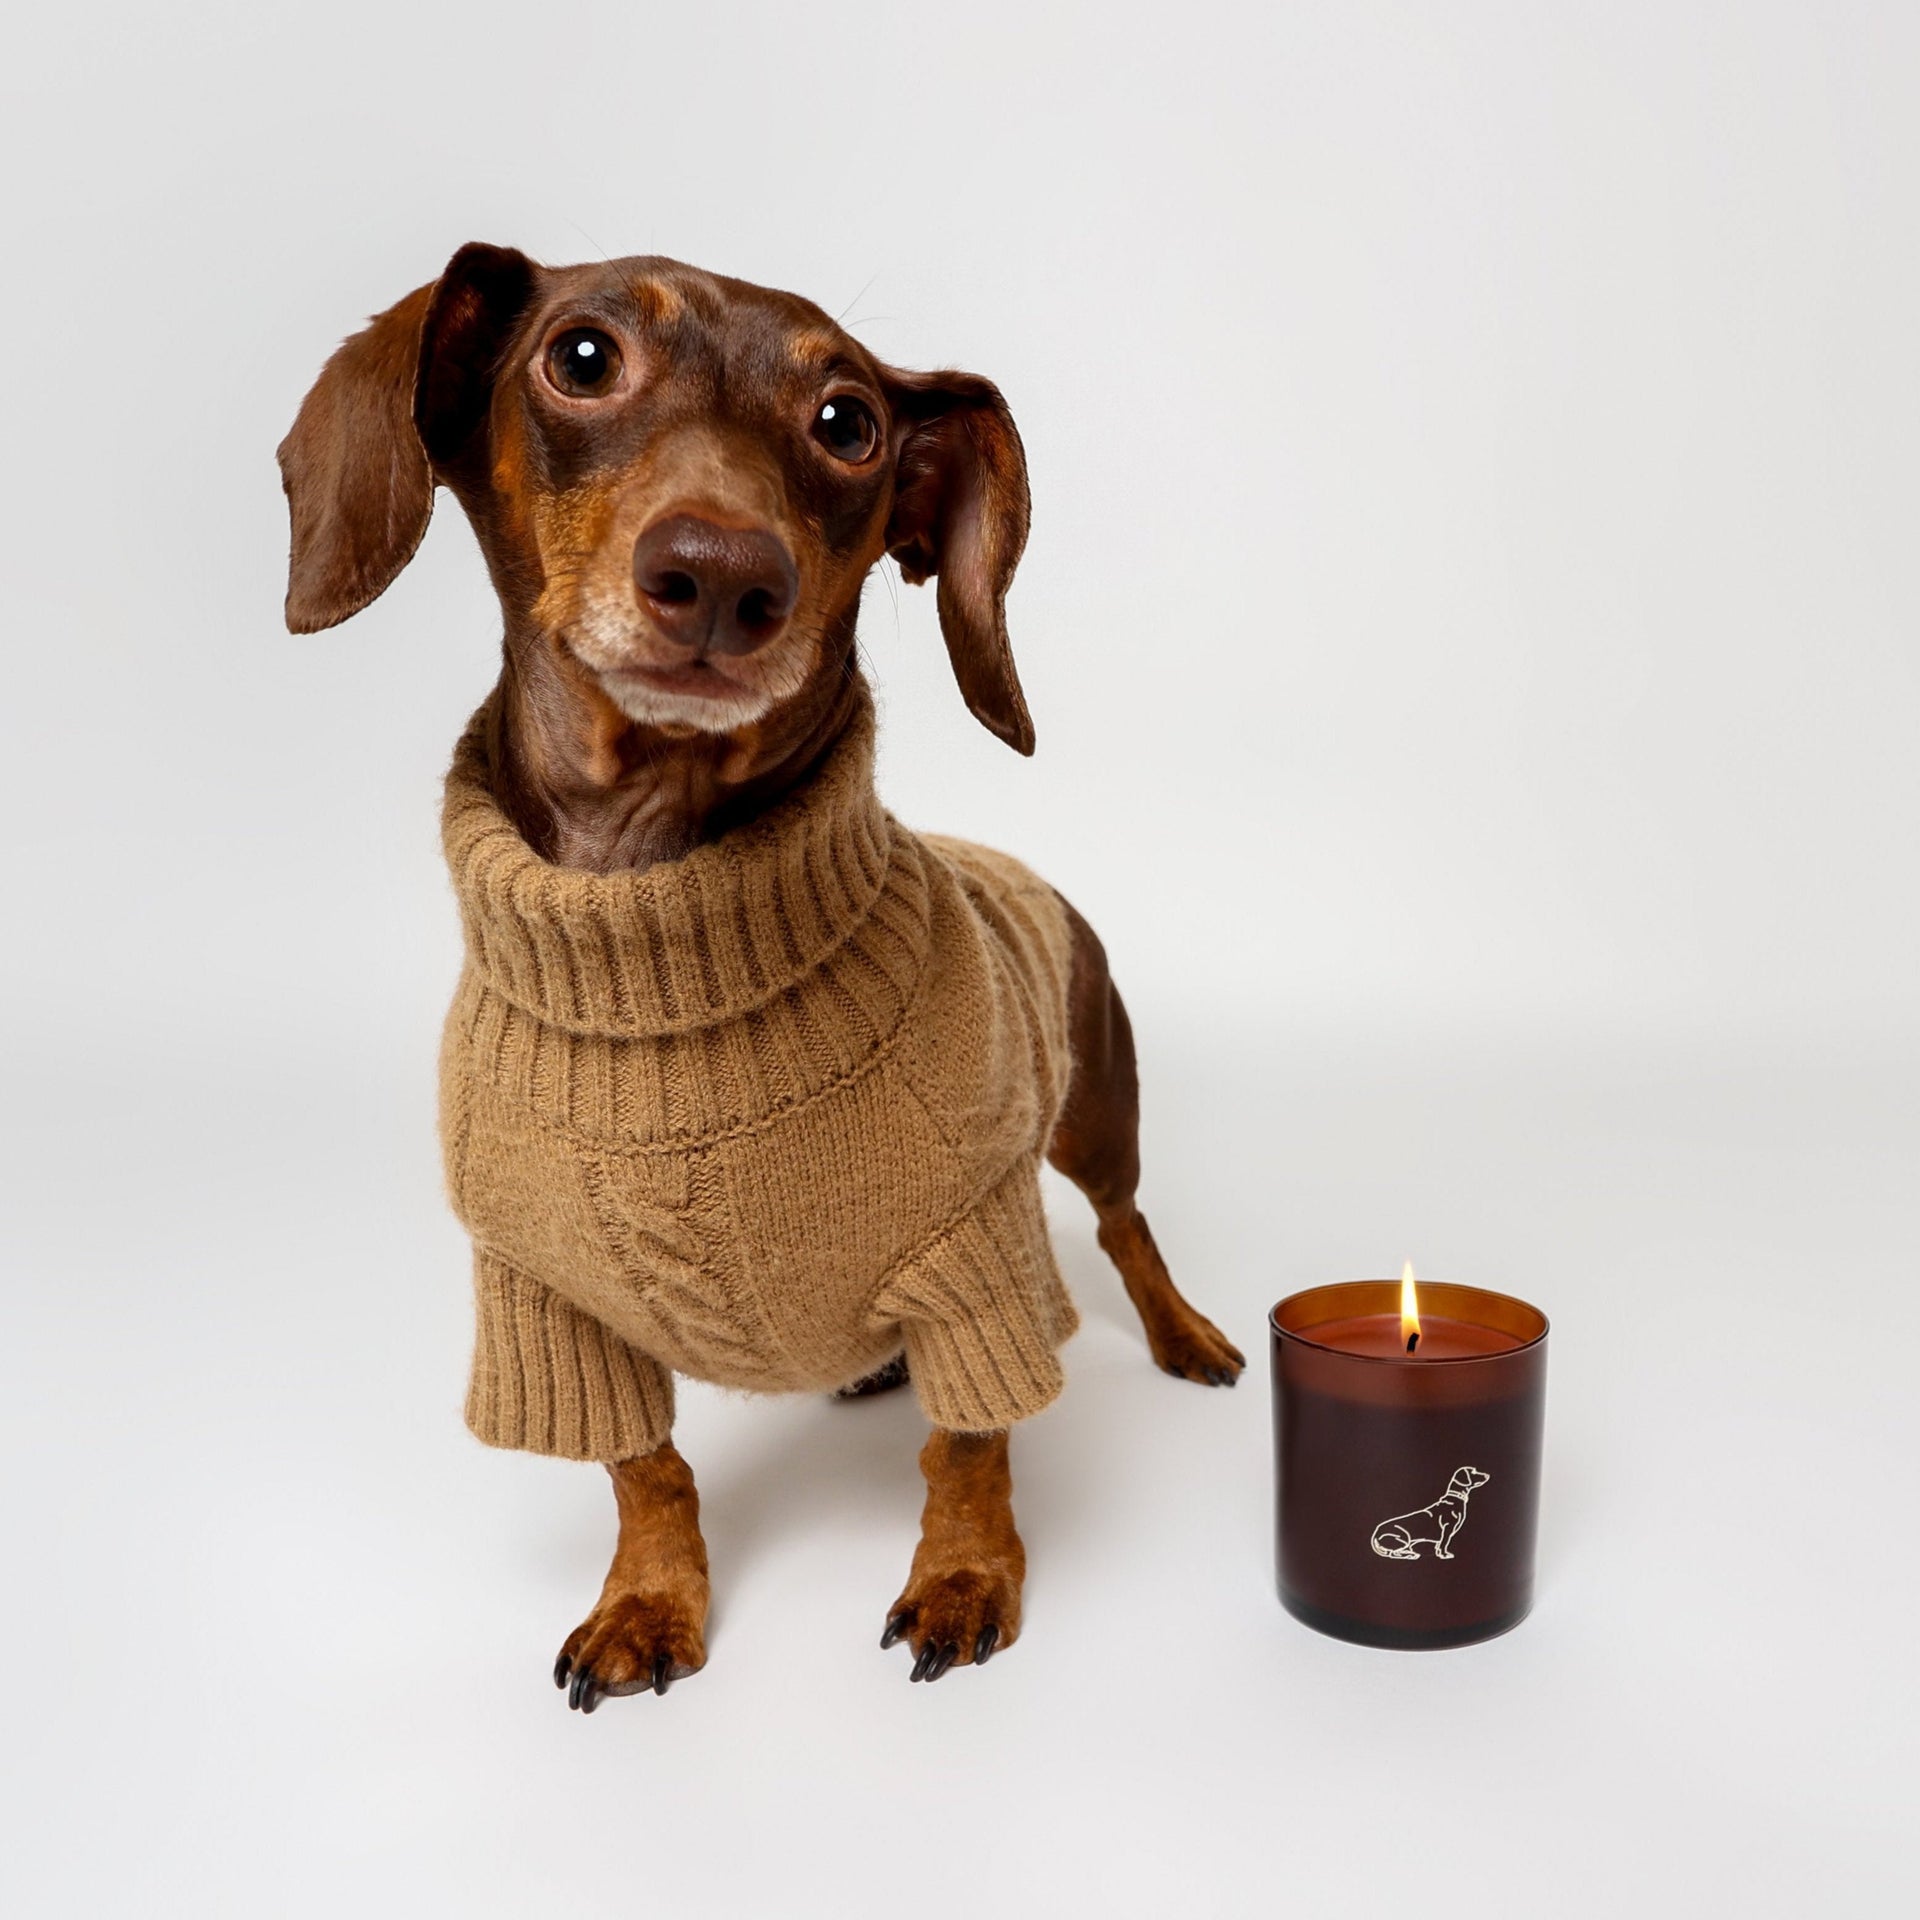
column 571, row 533
column 518, row 500
column 606, row 724
column 660, row 301
column 813, row 346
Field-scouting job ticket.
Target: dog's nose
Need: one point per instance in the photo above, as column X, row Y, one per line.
column 716, row 589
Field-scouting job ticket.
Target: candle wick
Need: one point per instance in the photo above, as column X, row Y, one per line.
column 1413, row 1339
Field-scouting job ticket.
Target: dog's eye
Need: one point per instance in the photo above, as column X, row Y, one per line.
column 583, row 362
column 846, row 428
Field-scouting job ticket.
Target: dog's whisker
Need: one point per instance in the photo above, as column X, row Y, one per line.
column 841, row 318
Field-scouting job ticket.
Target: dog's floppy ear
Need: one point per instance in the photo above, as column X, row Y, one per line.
column 960, row 511
column 399, row 399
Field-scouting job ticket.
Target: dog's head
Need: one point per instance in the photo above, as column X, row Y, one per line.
column 679, row 481
column 1465, row 1479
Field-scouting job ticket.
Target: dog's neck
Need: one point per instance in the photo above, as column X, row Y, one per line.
column 591, row 789
column 1458, row 1488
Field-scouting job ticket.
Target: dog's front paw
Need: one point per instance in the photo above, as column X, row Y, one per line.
column 628, row 1644
column 1190, row 1347
column 958, row 1618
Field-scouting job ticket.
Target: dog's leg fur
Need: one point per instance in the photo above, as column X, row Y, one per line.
column 649, row 1628
column 1096, row 1144
column 962, row 1598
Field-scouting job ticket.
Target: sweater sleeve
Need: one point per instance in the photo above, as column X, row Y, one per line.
column 982, row 1311
column 548, row 1378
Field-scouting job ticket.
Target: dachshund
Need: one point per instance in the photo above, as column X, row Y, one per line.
column 1402, row 1537
column 679, row 483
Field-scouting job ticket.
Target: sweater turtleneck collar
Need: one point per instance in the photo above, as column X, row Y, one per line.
column 685, row 944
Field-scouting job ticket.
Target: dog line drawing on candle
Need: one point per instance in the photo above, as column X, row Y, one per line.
column 1402, row 1537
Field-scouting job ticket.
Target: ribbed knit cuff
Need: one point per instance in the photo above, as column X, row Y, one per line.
column 983, row 1311
column 548, row 1378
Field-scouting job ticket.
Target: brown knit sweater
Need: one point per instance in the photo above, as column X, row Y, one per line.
column 764, row 1115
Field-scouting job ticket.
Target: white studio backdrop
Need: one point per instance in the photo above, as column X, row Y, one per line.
column 1470, row 625
column 1473, row 455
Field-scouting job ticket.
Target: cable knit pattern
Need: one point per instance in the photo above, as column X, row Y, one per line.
column 764, row 1115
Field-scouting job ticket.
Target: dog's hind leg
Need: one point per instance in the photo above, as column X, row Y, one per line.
column 1096, row 1144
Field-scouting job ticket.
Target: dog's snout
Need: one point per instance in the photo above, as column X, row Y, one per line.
column 712, row 588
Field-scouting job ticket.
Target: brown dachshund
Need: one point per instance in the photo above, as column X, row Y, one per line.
column 680, row 483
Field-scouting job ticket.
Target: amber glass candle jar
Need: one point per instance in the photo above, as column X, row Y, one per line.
column 1407, row 1483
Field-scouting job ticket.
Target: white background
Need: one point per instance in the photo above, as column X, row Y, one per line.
column 1470, row 622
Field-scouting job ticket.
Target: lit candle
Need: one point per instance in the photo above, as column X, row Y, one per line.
column 1394, row 1334
column 1407, row 1437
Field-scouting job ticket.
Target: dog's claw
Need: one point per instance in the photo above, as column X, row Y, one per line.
column 631, row 1644
column 960, row 1616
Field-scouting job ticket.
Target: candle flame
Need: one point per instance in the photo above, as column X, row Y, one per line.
column 1409, row 1309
